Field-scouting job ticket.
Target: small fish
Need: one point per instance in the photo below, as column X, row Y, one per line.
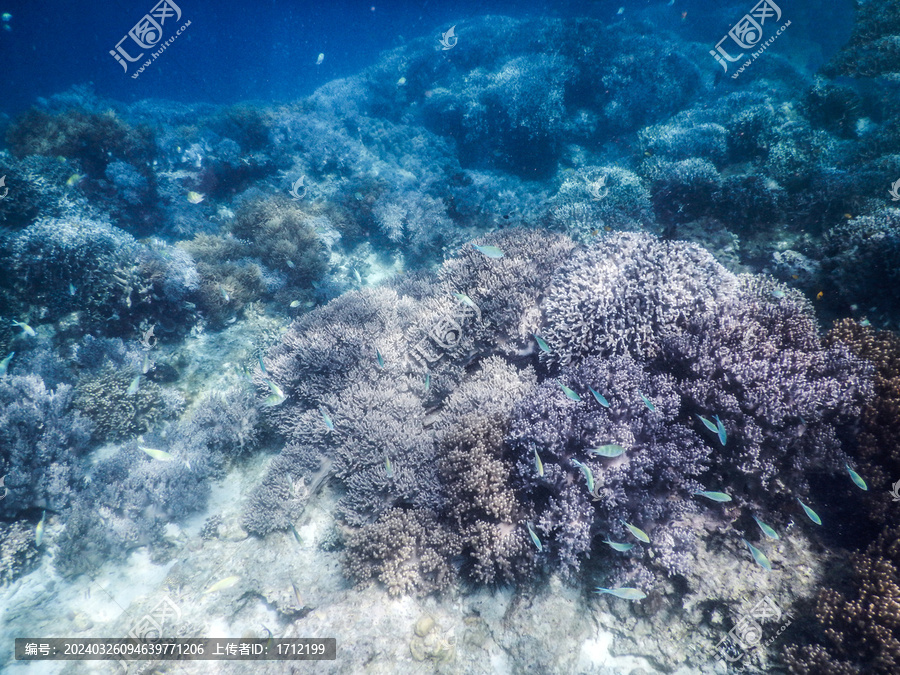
column 637, row 532
column 269, row 640
column 542, row 343
column 4, row 364
column 39, row 530
column 819, row 295
column 714, row 496
column 534, row 537
column 600, row 398
column 357, row 276
column 6, row 16
column 379, row 358
column 766, row 529
column 865, row 323
column 777, row 294
column 856, row 478
column 291, row 264
column 194, row 197
column 568, row 392
column 277, row 397
column 145, row 366
column 74, row 179
column 708, row 424
column 466, row 300
column 227, row 582
column 225, row 296
column 720, row 429
column 161, row 455
column 319, row 59
column 650, row 406
column 297, row 594
column 388, row 468
column 538, row 464
column 618, row 546
column 71, row 288
column 489, row 251
column 427, row 381
column 295, row 304
column 625, row 593
column 759, row 556
column 295, row 533
column 588, row 474
column 26, row 329
column 327, row 419
column 262, row 366
column 812, row 515
column 611, row 450
column 621, row 11
column 134, row 386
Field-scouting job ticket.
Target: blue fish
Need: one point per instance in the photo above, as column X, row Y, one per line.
column 856, row 478
column 709, row 425
column 758, row 556
column 714, row 496
column 379, row 358
column 586, row 470
column 538, row 464
column 542, row 343
column 637, row 532
column 427, row 381
column 650, row 406
column 611, row 450
column 624, row 593
column 618, row 546
column 534, row 537
column 812, row 515
column 600, row 398
column 766, row 529
column 327, row 419
column 570, row 393
column 720, row 429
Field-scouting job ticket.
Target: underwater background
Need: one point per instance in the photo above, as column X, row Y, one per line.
column 477, row 337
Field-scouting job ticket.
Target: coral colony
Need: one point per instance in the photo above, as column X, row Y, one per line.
column 516, row 325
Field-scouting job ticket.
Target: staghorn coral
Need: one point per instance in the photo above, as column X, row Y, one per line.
column 42, row 440
column 18, row 554
column 859, row 624
column 407, row 551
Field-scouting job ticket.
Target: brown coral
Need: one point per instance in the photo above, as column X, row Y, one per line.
column 408, row 551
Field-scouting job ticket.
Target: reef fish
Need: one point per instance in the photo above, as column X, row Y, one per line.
column 379, row 358
column 570, row 393
column 611, row 450
column 388, row 467
column 134, row 386
column 277, row 397
column 538, row 464
column 600, row 398
column 4, row 364
column 295, row 533
column 427, row 381
column 708, row 424
column 615, row 545
column 227, row 582
column 637, row 532
column 489, row 251
column 720, row 429
column 39, row 530
column 534, row 537
column 812, row 515
column 194, row 197
column 542, row 343
column 625, row 593
column 295, row 304
column 26, row 329
column 650, row 406
column 327, row 419
column 758, row 556
column 588, row 475
column 466, row 300
column 714, row 496
column 319, row 59
column 856, row 478
column 766, row 529
column 161, row 455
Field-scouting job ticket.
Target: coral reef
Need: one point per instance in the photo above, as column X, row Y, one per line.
column 18, row 554
column 873, row 49
column 42, row 441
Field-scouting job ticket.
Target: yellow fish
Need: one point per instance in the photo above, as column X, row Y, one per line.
column 39, row 531
column 74, row 179
column 819, row 295
column 194, row 197
column 227, row 582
